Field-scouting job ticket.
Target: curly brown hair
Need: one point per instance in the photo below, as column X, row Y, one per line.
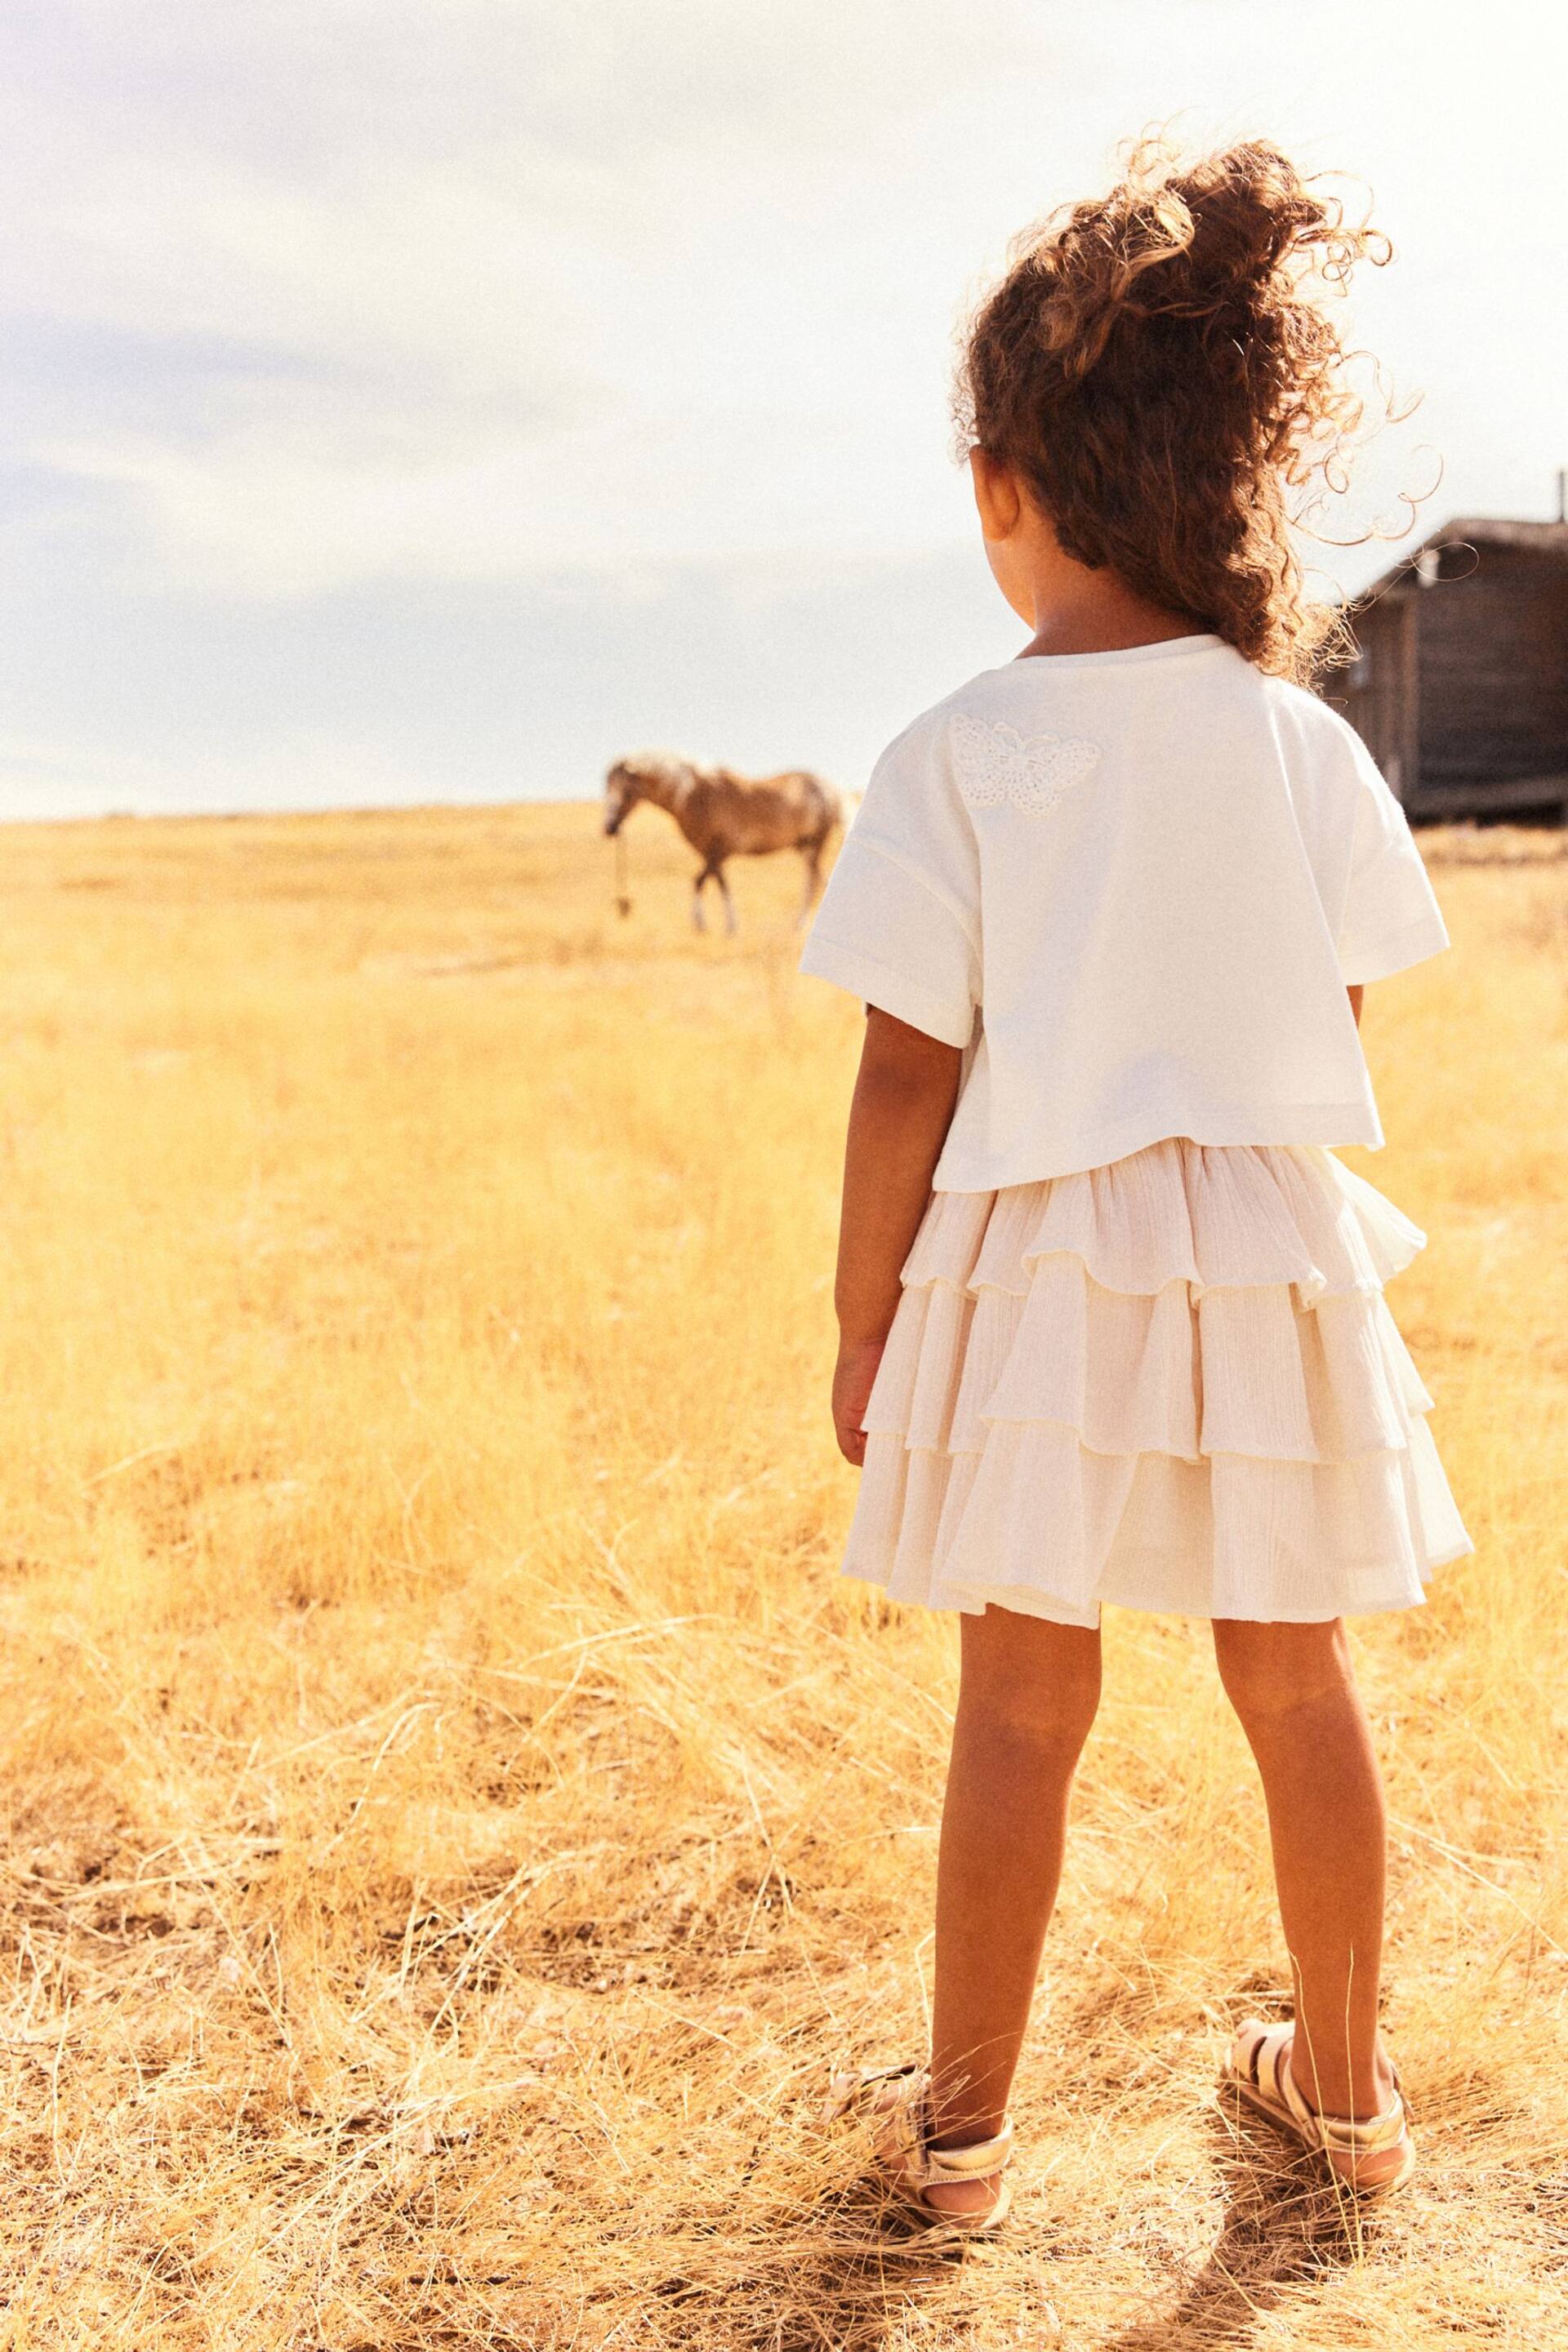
column 1158, row 367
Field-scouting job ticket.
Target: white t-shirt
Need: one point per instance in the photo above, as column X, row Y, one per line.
column 1135, row 886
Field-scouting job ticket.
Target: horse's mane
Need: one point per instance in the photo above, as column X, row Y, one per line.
column 672, row 768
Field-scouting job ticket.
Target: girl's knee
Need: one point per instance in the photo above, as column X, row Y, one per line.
column 1030, row 1680
column 1270, row 1671
column 1032, row 1734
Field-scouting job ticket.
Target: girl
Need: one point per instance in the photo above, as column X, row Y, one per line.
column 1111, row 1313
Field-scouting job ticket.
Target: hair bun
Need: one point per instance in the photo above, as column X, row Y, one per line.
column 1158, row 367
column 1249, row 215
column 1188, row 241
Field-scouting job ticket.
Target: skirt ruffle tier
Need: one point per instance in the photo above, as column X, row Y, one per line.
column 1171, row 1383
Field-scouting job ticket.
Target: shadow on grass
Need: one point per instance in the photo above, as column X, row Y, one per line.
column 1286, row 2224
column 843, row 2275
column 846, row 2272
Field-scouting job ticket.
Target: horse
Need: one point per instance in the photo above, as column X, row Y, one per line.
column 725, row 816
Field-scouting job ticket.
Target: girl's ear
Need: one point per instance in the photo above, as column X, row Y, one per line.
column 997, row 500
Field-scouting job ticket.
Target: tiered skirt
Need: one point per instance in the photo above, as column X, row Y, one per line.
column 1171, row 1383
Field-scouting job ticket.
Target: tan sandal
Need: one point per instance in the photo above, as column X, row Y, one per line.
column 1259, row 2070
column 896, row 2100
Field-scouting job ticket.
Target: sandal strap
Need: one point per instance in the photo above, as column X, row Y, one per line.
column 855, row 2087
column 1363, row 2135
column 1269, row 2064
column 1262, row 2052
column 971, row 2162
column 895, row 2098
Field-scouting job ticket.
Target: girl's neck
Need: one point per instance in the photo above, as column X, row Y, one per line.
column 1072, row 607
column 1076, row 611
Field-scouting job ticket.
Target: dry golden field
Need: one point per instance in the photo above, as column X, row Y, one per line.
column 454, row 1813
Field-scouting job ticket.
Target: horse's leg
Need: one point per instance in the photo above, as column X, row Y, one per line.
column 729, row 902
column 698, row 918
column 811, row 850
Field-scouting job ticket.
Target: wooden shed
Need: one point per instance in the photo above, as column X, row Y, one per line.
column 1460, row 683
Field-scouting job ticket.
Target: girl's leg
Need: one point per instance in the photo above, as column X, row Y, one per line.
column 1027, row 1696
column 1295, row 1691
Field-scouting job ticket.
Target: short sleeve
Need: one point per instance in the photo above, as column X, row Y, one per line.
column 898, row 926
column 1391, row 919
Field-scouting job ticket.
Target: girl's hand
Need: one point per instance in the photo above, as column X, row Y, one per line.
column 852, row 1378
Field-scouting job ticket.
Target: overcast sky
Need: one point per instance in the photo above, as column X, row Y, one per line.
column 430, row 399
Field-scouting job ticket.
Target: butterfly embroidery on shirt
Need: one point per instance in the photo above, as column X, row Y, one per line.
column 997, row 763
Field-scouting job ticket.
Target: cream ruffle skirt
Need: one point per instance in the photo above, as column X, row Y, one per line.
column 1171, row 1383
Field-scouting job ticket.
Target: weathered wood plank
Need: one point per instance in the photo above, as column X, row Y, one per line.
column 1462, row 697
column 1494, row 671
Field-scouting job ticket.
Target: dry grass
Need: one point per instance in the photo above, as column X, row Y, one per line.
column 455, row 1814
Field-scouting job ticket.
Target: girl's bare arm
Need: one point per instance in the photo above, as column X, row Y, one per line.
column 902, row 1104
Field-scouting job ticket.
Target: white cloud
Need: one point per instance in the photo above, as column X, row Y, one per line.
column 267, row 512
